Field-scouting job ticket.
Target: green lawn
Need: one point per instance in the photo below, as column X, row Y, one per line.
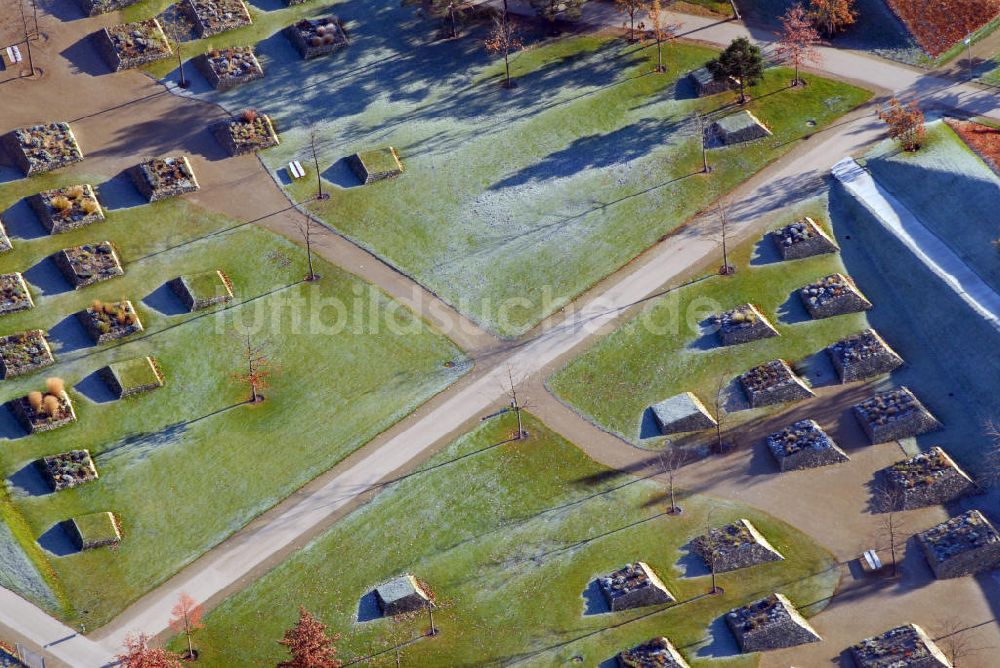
column 513, row 201
column 666, row 349
column 185, row 466
column 509, row 538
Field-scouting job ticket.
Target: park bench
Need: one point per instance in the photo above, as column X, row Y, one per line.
column 870, row 562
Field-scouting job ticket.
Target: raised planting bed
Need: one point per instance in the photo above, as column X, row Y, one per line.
column 317, row 37
column 5, row 244
column 804, row 445
column 248, row 133
column 202, row 290
column 131, row 45
column 23, row 353
column 863, row 355
column 107, row 321
column 734, row 546
column 401, row 595
column 982, row 139
column 65, row 209
column 964, row 545
column 42, row 148
column 161, row 178
column 802, row 239
column 937, row 26
column 654, row 653
column 736, row 129
column 88, row 264
column 95, row 530
column 773, row 382
column 833, row 295
column 212, row 17
column 902, row 647
column 134, row 376
column 14, row 295
column 928, row 479
column 770, row 623
column 634, row 586
column 376, row 165
column 680, row 413
column 706, row 84
column 743, row 324
column 894, row 414
column 68, row 469
column 228, row 68
column 38, row 412
column 95, row 7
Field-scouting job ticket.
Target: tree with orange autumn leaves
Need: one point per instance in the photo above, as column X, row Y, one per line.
column 797, row 40
column 906, row 123
column 309, row 644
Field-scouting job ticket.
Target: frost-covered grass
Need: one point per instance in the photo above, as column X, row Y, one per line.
column 185, row 466
column 509, row 538
column 670, row 347
column 513, row 201
column 953, row 193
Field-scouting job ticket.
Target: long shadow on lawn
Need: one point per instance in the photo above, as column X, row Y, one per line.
column 792, row 311
column 722, row 643
column 94, row 388
column 21, row 222
column 69, row 335
column 594, row 602
column 119, row 192
column 46, row 277
column 56, row 541
column 368, row 609
column 165, row 300
column 28, row 481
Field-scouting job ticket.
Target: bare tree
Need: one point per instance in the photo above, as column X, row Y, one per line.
column 888, row 502
column 700, row 120
column 710, row 554
column 958, row 640
column 726, row 269
column 257, row 371
column 720, row 392
column 671, row 460
column 504, row 38
column 306, row 229
column 319, row 179
column 515, row 404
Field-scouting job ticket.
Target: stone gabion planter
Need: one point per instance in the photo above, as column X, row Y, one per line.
column 88, row 264
column 738, row 128
column 768, row 624
column 964, row 545
column 833, row 295
column 654, row 653
column 203, row 290
column 211, row 17
column 110, row 321
column 634, row 586
column 804, row 445
column 161, row 178
column 130, row 45
column 401, row 595
column 5, row 244
column 317, row 37
column 734, row 546
column 42, row 148
column 771, row 383
column 863, row 355
column 14, row 295
column 681, row 413
column 239, row 135
column 376, row 165
column 743, row 324
column 89, row 532
column 131, row 377
column 894, row 414
column 95, row 7
column 227, row 68
column 903, row 647
column 802, row 239
column 35, row 422
column 68, row 469
column 928, row 479
column 64, row 209
column 23, row 353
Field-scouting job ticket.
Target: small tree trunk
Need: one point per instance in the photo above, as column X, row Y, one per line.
column 506, row 64
column 659, row 55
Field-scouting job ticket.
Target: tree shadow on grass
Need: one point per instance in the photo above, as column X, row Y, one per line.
column 46, row 277
column 119, row 192
column 721, row 641
column 28, row 481
column 69, row 335
column 164, row 300
column 21, row 222
column 368, row 609
column 57, row 541
column 138, row 447
column 594, row 602
column 94, row 388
